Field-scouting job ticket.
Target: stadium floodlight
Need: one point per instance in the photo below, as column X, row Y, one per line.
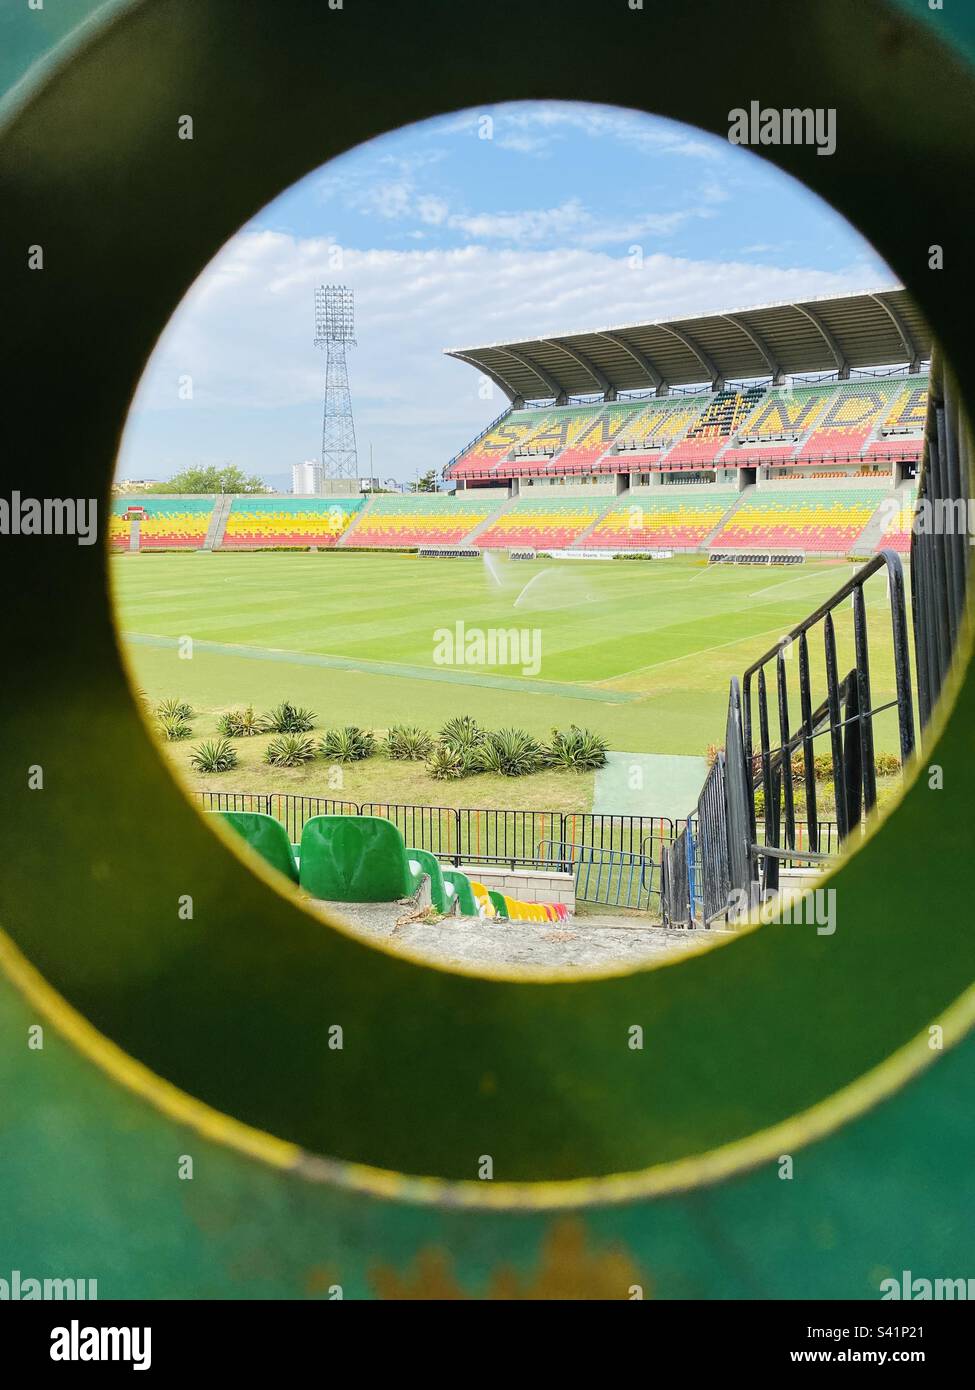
column 334, row 315
column 334, row 332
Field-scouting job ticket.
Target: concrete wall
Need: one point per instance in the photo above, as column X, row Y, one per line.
column 528, row 885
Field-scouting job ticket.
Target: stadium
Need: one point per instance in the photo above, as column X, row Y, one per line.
column 758, row 460
column 215, row 1088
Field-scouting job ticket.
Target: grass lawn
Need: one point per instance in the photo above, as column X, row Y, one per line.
column 641, row 652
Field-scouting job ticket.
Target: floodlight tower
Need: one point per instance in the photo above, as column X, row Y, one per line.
column 334, row 331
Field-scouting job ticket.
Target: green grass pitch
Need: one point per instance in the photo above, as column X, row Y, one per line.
column 640, row 651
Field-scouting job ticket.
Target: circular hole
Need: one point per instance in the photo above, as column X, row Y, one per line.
column 541, row 713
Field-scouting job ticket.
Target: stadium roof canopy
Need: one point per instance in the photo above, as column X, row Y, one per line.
column 876, row 328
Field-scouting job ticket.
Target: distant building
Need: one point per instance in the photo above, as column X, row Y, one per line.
column 134, row 484
column 306, row 478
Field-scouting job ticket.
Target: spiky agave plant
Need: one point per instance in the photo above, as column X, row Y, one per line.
column 241, row 723
column 462, row 732
column 407, row 743
column 290, row 750
column 174, row 709
column 576, row 749
column 510, row 753
column 287, row 718
column 446, row 763
column 214, row 755
column 173, row 727
column 348, row 745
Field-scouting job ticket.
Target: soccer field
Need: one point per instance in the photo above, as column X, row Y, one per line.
column 642, row 651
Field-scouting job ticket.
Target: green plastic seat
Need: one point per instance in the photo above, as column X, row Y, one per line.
column 500, row 906
column 441, row 896
column 355, row 859
column 463, row 890
column 265, row 835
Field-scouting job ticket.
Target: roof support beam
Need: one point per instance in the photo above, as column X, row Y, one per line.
column 839, row 357
column 903, row 332
column 601, row 381
column 758, row 342
column 553, row 387
column 510, row 391
column 640, row 358
column 716, row 378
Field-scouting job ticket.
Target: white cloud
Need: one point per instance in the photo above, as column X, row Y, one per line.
column 244, row 334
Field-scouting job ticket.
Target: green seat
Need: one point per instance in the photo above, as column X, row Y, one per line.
column 463, row 891
column 441, row 896
column 355, row 859
column 266, row 836
column 500, row 906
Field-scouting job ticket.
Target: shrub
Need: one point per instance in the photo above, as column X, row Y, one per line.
column 173, row 709
column 289, row 750
column 406, row 743
column 888, row 764
column 509, row 752
column 576, row 748
column 447, row 763
column 348, row 745
column 287, row 718
column 173, row 727
column 214, row 755
column 241, row 723
column 462, row 732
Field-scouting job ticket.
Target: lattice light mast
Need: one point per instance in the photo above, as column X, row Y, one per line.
column 334, row 331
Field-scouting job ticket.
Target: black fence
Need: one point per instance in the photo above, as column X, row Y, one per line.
column 845, row 716
column 520, row 839
column 726, row 849
column 940, row 539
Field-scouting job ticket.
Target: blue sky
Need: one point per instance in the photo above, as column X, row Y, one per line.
column 510, row 221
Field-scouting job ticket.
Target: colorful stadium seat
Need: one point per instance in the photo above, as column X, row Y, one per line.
column 166, row 523
column 901, row 431
column 662, row 518
column 709, row 435
column 795, row 516
column 442, row 895
column 463, row 892
column 542, row 523
column 422, row 519
column 356, row 859
column 897, row 535
column 848, row 421
column 287, row 521
column 266, row 836
column 773, row 431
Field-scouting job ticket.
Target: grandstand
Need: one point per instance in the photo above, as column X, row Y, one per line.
column 827, row 396
column 542, row 523
column 779, row 428
column 662, row 518
column 423, row 519
column 818, row 520
column 164, row 523
column 257, row 522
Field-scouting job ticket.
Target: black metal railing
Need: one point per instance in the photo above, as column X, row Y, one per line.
column 846, row 715
column 482, row 835
column 940, row 539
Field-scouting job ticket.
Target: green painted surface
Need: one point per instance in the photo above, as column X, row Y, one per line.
column 648, row 784
column 235, row 1006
